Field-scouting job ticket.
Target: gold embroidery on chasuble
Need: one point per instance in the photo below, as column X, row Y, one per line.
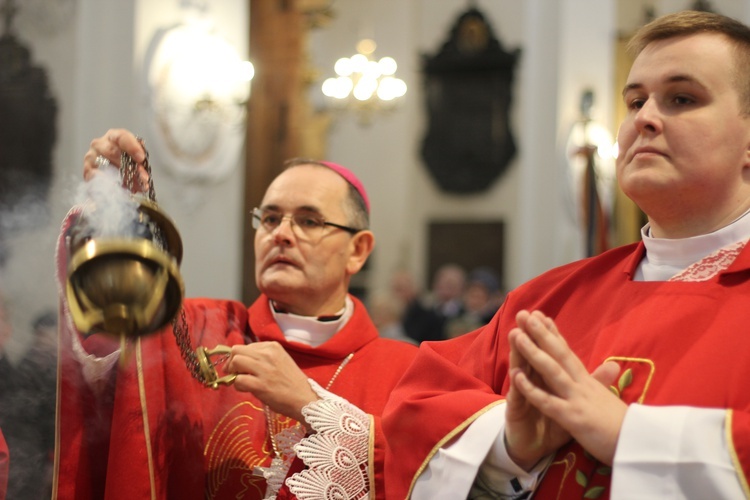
column 237, row 445
column 567, row 463
column 635, row 378
column 576, row 470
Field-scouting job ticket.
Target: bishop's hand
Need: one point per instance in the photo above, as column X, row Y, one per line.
column 107, row 150
column 269, row 372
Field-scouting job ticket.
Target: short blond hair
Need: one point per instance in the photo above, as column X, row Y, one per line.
column 692, row 22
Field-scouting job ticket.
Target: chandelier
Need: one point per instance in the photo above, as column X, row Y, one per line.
column 364, row 83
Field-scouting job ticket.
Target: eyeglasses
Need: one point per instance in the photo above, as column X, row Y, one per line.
column 309, row 225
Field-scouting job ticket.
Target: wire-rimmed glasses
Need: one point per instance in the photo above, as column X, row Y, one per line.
column 306, row 224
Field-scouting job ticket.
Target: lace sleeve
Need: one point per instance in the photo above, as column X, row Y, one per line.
column 337, row 454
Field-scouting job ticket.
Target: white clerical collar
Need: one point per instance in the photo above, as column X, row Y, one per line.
column 311, row 330
column 666, row 257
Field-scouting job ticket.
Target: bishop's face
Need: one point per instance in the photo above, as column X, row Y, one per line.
column 684, row 145
column 306, row 276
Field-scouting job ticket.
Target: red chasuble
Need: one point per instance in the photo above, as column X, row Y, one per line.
column 153, row 431
column 678, row 343
column 3, row 466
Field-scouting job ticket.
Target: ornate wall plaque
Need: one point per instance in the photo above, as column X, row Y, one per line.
column 468, row 83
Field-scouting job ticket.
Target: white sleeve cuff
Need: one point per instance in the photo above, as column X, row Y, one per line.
column 476, row 464
column 673, row 452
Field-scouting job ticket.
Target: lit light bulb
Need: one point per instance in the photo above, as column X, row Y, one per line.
column 372, row 70
column 359, row 63
column 343, row 67
column 329, row 87
column 390, row 88
column 365, row 88
column 344, row 86
column 387, row 65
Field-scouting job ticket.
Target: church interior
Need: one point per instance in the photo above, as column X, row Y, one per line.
column 501, row 111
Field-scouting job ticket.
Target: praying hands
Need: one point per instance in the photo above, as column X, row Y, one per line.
column 553, row 398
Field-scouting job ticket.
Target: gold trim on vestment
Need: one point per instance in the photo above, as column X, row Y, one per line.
column 733, row 454
column 371, row 458
column 568, row 467
column 447, row 438
column 144, row 414
column 638, row 360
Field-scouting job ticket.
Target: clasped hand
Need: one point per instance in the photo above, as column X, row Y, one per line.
column 553, row 398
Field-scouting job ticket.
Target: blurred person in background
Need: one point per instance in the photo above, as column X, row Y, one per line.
column 419, row 321
column 34, row 413
column 7, row 371
column 481, row 299
column 386, row 312
column 446, row 295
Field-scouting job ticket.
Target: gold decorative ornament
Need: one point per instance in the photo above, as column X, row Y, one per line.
column 208, row 373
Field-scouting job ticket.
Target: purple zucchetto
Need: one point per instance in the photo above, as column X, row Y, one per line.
column 352, row 179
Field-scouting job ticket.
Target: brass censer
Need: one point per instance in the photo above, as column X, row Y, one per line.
column 130, row 284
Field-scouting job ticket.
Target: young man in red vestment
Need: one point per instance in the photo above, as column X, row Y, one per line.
column 623, row 375
column 303, row 414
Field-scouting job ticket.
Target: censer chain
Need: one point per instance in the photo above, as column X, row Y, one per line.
column 129, row 177
column 129, row 172
column 180, row 329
